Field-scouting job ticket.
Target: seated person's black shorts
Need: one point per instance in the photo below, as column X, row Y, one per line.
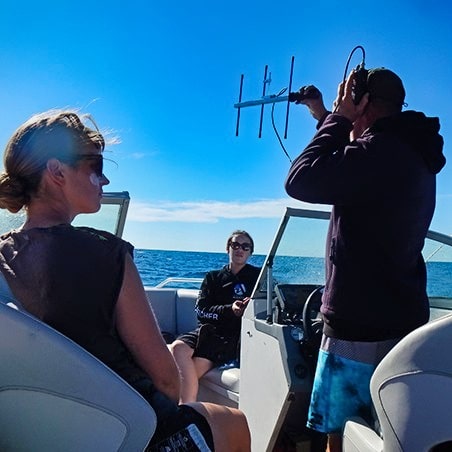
column 209, row 343
column 180, row 428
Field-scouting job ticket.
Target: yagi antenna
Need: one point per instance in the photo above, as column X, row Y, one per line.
column 267, row 99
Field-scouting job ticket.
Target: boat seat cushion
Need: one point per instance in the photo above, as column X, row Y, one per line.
column 64, row 393
column 225, row 378
column 220, row 386
column 175, row 309
column 186, row 319
column 411, row 390
column 176, row 314
column 163, row 301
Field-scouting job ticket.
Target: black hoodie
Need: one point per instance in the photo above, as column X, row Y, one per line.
column 382, row 187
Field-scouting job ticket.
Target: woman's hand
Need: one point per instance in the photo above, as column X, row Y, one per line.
column 238, row 307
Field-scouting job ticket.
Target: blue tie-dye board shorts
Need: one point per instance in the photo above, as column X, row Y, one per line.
column 341, row 382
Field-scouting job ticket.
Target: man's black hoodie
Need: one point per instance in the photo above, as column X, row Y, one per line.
column 382, row 187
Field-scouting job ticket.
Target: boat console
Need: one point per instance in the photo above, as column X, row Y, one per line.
column 281, row 328
column 290, row 301
column 281, row 331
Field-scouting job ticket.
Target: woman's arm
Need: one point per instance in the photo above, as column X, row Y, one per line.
column 138, row 329
column 214, row 303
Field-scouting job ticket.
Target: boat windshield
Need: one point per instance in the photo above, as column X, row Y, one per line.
column 111, row 217
column 296, row 257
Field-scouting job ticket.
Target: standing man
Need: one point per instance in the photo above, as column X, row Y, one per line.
column 377, row 166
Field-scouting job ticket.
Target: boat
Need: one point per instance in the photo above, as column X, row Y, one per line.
column 48, row 403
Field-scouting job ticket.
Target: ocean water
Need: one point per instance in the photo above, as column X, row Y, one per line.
column 155, row 266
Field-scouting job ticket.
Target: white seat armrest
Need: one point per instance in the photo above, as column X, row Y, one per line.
column 358, row 436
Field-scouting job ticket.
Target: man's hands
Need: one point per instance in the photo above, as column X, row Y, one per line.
column 310, row 96
column 344, row 105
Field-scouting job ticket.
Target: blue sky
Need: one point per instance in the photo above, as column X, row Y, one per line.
column 164, row 76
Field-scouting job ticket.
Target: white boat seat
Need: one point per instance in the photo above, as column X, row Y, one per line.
column 220, row 386
column 177, row 315
column 175, row 308
column 411, row 391
column 54, row 395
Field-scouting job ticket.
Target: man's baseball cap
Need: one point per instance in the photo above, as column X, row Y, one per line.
column 385, row 84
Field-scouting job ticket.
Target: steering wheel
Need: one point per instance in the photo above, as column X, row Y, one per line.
column 311, row 322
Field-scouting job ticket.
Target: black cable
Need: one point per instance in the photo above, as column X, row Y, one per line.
column 344, row 78
column 335, row 108
column 350, row 57
column 274, row 125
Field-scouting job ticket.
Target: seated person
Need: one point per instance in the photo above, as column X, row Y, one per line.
column 221, row 302
column 83, row 282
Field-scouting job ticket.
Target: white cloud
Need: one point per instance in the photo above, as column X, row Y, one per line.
column 212, row 211
column 137, row 155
